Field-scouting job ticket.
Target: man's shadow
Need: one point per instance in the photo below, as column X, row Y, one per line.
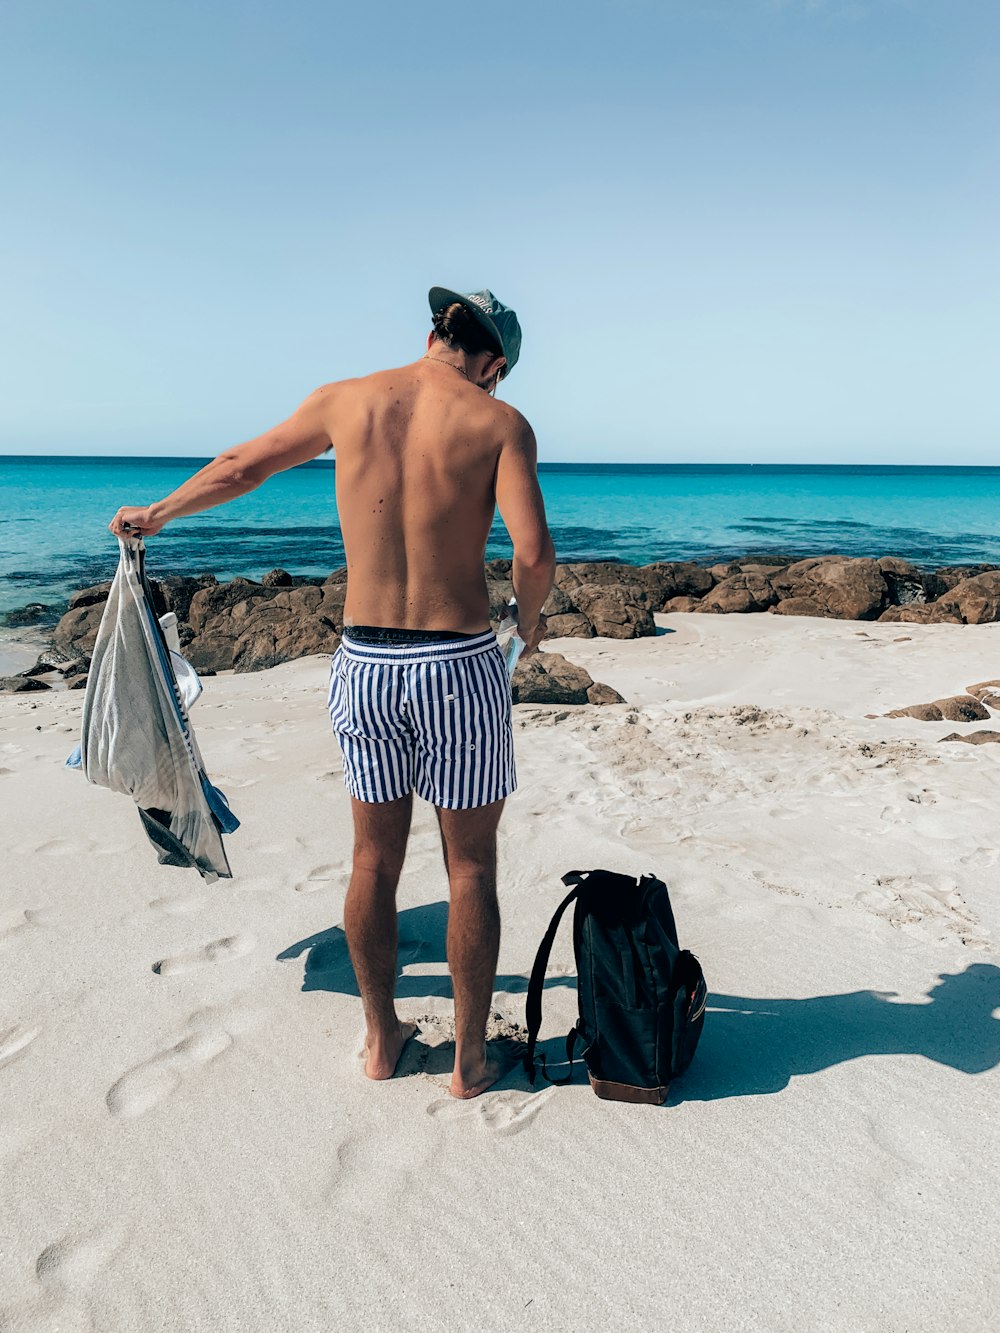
column 422, row 932
column 749, row 1046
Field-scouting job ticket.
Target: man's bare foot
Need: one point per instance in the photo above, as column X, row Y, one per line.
column 471, row 1080
column 382, row 1053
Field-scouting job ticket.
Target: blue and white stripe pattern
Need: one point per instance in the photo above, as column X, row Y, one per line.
column 429, row 717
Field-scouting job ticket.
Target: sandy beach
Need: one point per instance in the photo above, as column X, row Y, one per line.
column 188, row 1141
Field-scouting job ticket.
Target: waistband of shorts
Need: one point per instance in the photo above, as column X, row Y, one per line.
column 406, row 654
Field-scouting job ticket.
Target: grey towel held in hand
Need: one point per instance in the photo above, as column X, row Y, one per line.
column 136, row 733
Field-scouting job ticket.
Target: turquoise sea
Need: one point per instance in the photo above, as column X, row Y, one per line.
column 54, row 513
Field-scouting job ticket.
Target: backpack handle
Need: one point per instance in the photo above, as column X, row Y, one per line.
column 533, row 1000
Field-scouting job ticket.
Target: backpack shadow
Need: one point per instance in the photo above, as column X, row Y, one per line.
column 750, row 1047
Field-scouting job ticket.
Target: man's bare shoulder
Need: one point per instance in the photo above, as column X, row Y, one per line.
column 516, row 427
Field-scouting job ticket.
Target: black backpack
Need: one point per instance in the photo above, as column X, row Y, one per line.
column 642, row 998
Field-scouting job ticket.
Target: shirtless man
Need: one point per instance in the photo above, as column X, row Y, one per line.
column 419, row 696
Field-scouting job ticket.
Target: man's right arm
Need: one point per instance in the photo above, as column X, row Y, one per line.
column 519, row 499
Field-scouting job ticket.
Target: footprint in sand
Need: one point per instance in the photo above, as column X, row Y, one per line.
column 15, row 1041
column 930, row 905
column 983, row 858
column 319, row 878
column 503, row 1113
column 155, row 1079
column 65, row 1271
column 183, row 905
column 219, row 951
column 65, row 847
column 12, row 923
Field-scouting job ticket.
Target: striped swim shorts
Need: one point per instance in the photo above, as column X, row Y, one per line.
column 431, row 717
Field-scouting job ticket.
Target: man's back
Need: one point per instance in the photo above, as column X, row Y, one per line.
column 417, row 452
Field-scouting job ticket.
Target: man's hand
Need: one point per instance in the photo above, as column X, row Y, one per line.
column 133, row 521
column 532, row 637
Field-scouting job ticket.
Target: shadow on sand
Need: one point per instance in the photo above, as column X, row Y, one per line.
column 755, row 1046
column 749, row 1047
column 421, row 940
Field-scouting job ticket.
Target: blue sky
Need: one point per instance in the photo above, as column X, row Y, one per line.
column 735, row 230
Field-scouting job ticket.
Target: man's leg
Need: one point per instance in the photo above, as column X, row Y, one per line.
column 469, row 841
column 380, row 834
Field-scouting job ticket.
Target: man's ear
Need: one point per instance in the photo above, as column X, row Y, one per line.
column 430, row 340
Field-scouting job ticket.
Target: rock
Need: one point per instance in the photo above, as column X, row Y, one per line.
column 974, row 737
column 571, row 626
column 495, row 569
column 920, row 613
column 957, row 708
column 976, row 601
column 558, row 603
column 890, row 564
column 39, row 669
column 739, row 594
column 802, row 606
column 983, row 688
column 80, row 683
column 903, row 581
column 499, row 591
column 675, row 578
column 752, row 568
column 681, row 604
column 615, row 612
column 548, row 678
column 35, row 613
column 277, row 578
column 725, row 570
column 990, row 700
column 21, row 684
column 76, row 632
column 598, row 573
column 338, row 575
column 248, row 627
column 177, row 592
column 603, row 694
column 845, row 589
column 90, row 596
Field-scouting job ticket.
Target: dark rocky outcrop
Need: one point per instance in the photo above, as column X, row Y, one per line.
column 957, row 708
column 23, row 617
column 974, row 737
column 976, row 601
column 920, row 613
column 245, row 624
column 984, row 690
column 739, row 593
column 21, row 684
column 843, row 589
column 548, row 678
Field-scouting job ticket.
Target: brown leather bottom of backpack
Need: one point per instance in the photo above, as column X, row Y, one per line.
column 624, row 1092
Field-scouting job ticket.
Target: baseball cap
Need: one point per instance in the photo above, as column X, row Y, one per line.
column 495, row 317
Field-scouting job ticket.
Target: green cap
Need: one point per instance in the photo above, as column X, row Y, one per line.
column 495, row 317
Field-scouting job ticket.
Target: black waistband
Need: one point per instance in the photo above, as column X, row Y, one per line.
column 380, row 634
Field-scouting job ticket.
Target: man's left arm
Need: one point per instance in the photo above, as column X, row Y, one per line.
column 237, row 471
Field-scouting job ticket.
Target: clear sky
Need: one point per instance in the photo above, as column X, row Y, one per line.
column 734, row 230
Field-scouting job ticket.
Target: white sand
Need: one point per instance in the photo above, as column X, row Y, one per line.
column 195, row 1147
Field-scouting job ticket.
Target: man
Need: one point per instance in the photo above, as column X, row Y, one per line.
column 419, row 695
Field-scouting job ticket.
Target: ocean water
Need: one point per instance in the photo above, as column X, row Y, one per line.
column 54, row 513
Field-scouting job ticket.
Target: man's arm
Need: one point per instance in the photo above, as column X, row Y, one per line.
column 519, row 499
column 303, row 436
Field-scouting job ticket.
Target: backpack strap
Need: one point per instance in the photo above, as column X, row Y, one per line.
column 533, row 1001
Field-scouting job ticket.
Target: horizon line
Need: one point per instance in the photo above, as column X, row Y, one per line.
column 542, row 463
